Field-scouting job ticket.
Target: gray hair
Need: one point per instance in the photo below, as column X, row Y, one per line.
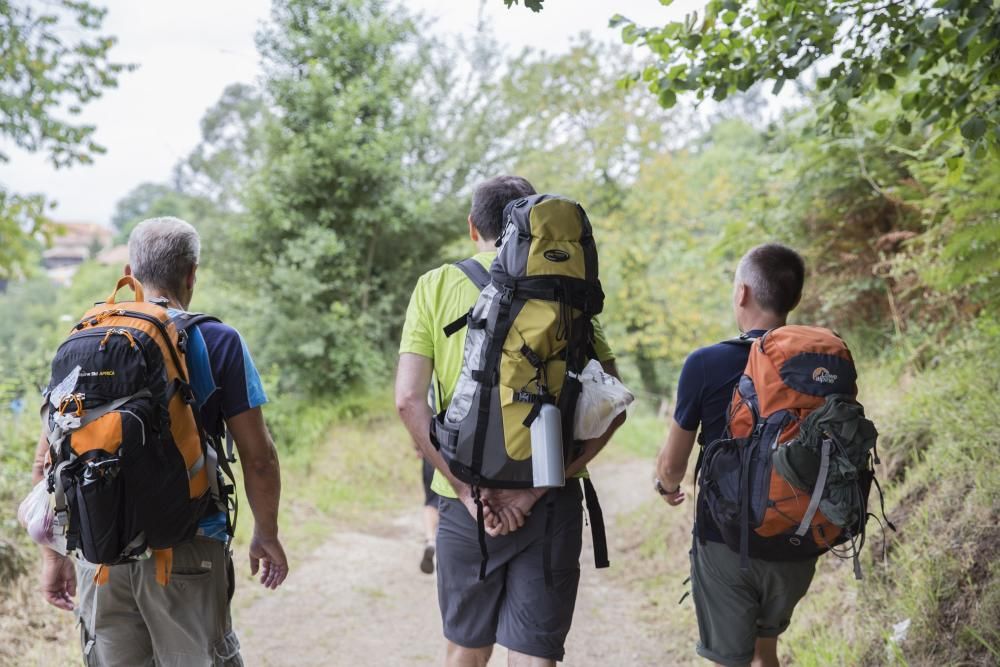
column 775, row 274
column 162, row 252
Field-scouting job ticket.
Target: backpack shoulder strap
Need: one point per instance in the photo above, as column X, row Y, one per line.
column 184, row 321
column 741, row 341
column 475, row 272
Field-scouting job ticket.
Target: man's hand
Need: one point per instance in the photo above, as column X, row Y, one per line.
column 493, row 524
column 512, row 506
column 674, row 499
column 58, row 584
column 672, row 462
column 267, row 555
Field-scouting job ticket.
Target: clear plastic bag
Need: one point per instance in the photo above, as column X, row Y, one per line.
column 602, row 398
column 37, row 515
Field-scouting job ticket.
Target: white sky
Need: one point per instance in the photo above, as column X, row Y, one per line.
column 189, row 50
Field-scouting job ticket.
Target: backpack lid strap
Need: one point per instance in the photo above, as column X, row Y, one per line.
column 475, row 272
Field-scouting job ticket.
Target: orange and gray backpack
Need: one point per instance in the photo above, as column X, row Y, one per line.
column 130, row 466
column 791, row 477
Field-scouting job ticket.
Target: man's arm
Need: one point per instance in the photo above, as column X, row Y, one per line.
column 413, row 376
column 672, row 462
column 262, row 481
column 58, row 579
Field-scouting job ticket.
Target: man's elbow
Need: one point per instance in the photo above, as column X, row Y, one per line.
column 408, row 404
column 265, row 464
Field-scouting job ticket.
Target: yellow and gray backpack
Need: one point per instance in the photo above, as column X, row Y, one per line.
column 530, row 334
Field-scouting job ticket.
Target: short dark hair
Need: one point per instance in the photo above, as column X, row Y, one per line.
column 489, row 200
column 775, row 274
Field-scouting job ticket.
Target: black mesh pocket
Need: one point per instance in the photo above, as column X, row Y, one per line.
column 97, row 501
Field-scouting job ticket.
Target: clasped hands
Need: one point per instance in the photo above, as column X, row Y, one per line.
column 504, row 510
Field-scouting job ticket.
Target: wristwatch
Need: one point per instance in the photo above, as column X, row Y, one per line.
column 664, row 492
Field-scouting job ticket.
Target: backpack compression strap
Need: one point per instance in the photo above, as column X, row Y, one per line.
column 480, row 277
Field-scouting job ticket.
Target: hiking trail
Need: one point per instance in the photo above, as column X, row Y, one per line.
column 359, row 599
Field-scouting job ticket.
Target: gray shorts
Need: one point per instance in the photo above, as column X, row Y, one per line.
column 132, row 620
column 735, row 608
column 512, row 606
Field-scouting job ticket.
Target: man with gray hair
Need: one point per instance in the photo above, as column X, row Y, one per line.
column 132, row 619
column 740, row 613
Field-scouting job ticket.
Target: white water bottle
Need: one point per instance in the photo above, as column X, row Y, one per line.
column 547, row 466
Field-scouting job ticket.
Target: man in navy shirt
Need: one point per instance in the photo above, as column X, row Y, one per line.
column 131, row 619
column 740, row 613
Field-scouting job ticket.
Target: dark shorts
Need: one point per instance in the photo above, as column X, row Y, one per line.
column 735, row 608
column 430, row 498
column 512, row 606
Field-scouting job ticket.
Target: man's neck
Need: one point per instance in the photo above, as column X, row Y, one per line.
column 172, row 301
column 485, row 246
column 765, row 322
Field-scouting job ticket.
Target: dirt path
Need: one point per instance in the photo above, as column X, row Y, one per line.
column 360, row 599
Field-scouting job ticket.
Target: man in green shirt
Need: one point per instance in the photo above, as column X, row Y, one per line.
column 512, row 605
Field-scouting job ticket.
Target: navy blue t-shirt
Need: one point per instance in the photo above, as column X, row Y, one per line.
column 225, row 383
column 704, row 392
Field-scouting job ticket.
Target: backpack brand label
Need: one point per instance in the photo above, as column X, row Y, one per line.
column 556, row 255
column 823, row 376
column 90, row 374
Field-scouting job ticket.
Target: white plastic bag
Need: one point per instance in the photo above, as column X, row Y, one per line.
column 602, row 398
column 37, row 516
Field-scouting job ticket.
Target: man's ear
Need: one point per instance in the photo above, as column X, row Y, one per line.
column 128, row 269
column 473, row 232
column 742, row 295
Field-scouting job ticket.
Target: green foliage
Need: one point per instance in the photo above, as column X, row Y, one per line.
column 231, row 148
column 581, row 133
column 941, row 59
column 337, row 235
column 53, row 62
column 533, row 5
column 938, row 571
column 150, row 200
column 663, row 237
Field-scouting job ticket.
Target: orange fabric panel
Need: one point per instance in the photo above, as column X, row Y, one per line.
column 741, row 419
column 103, row 433
column 790, row 505
column 185, row 433
column 767, row 356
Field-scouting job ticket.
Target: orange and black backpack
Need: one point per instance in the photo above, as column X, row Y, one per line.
column 130, row 466
column 790, row 479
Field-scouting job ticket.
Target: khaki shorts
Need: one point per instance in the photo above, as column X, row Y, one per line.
column 132, row 620
column 735, row 608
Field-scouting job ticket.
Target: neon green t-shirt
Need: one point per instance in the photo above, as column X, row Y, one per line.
column 440, row 297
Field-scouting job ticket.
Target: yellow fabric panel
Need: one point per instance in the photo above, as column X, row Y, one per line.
column 517, row 438
column 555, row 229
column 556, row 219
column 540, row 262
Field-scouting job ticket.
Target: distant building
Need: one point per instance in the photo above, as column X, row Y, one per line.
column 114, row 256
column 73, row 243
